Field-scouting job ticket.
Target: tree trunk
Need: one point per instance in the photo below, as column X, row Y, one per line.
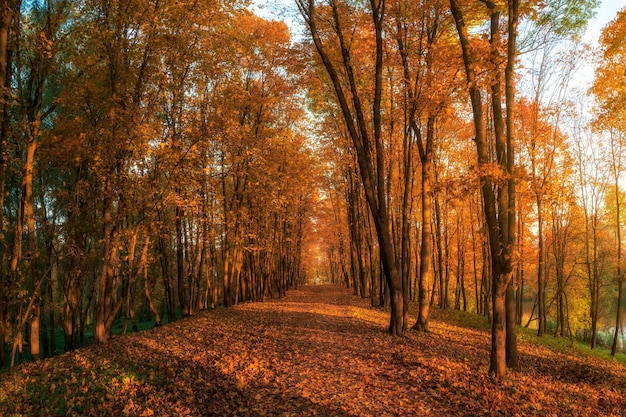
column 181, row 270
column 617, row 168
column 33, row 251
column 35, row 321
column 496, row 197
column 541, row 294
column 595, row 285
column 51, row 318
column 441, row 272
column 7, row 11
column 426, row 252
column 519, row 299
column 106, row 306
column 498, row 363
column 618, row 318
column 366, row 138
column 511, row 220
column 511, row 339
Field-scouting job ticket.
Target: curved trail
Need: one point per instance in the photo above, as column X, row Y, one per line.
column 318, row 352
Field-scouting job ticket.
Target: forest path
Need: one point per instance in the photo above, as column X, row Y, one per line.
column 319, row 351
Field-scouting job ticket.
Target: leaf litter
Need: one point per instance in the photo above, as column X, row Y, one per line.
column 318, row 352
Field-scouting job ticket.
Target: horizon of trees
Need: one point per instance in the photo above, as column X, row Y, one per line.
column 160, row 158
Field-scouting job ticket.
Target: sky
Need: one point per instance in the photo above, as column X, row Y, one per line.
column 285, row 9
column 604, row 14
column 275, row 9
column 607, row 11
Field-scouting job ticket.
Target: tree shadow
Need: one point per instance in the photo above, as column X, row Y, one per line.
column 146, row 381
column 281, row 360
column 572, row 370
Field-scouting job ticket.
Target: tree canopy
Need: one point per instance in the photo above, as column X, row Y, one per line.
column 160, row 157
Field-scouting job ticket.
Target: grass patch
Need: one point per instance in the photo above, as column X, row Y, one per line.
column 557, row 344
column 461, row 318
column 568, row 346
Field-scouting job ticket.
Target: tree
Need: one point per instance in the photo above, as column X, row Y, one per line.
column 34, row 68
column 553, row 53
column 417, row 32
column 365, row 128
column 592, row 189
column 498, row 183
column 608, row 89
column 8, row 27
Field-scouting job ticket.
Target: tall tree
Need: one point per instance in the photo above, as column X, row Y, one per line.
column 9, row 10
column 418, row 28
column 34, row 68
column 362, row 114
column 498, row 183
column 611, row 120
column 592, row 187
column 553, row 53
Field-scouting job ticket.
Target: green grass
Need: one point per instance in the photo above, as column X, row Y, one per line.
column 568, row 345
column 462, row 318
column 59, row 339
column 556, row 344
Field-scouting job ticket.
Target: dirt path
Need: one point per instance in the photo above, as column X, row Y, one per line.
column 320, row 352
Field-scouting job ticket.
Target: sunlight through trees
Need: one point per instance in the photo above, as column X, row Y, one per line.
column 159, row 158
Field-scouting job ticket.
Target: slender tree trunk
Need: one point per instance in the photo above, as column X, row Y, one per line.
column 520, row 274
column 163, row 241
column 426, row 251
column 541, row 304
column 509, row 78
column 617, row 155
column 486, row 281
column 366, row 138
column 595, row 297
column 443, row 296
column 496, row 203
column 181, row 270
column 405, row 254
column 35, row 321
column 31, row 129
column 33, row 251
column 498, row 330
column 149, row 299
column 511, row 337
column 105, row 308
column 7, row 11
column 426, row 151
column 51, row 316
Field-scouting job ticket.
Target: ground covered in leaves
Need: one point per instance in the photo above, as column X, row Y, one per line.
column 318, row 352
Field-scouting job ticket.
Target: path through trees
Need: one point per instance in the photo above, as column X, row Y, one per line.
column 319, row 351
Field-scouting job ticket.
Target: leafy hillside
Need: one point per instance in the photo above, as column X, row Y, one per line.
column 319, row 351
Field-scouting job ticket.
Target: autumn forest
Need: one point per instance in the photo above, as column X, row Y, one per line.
column 162, row 158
